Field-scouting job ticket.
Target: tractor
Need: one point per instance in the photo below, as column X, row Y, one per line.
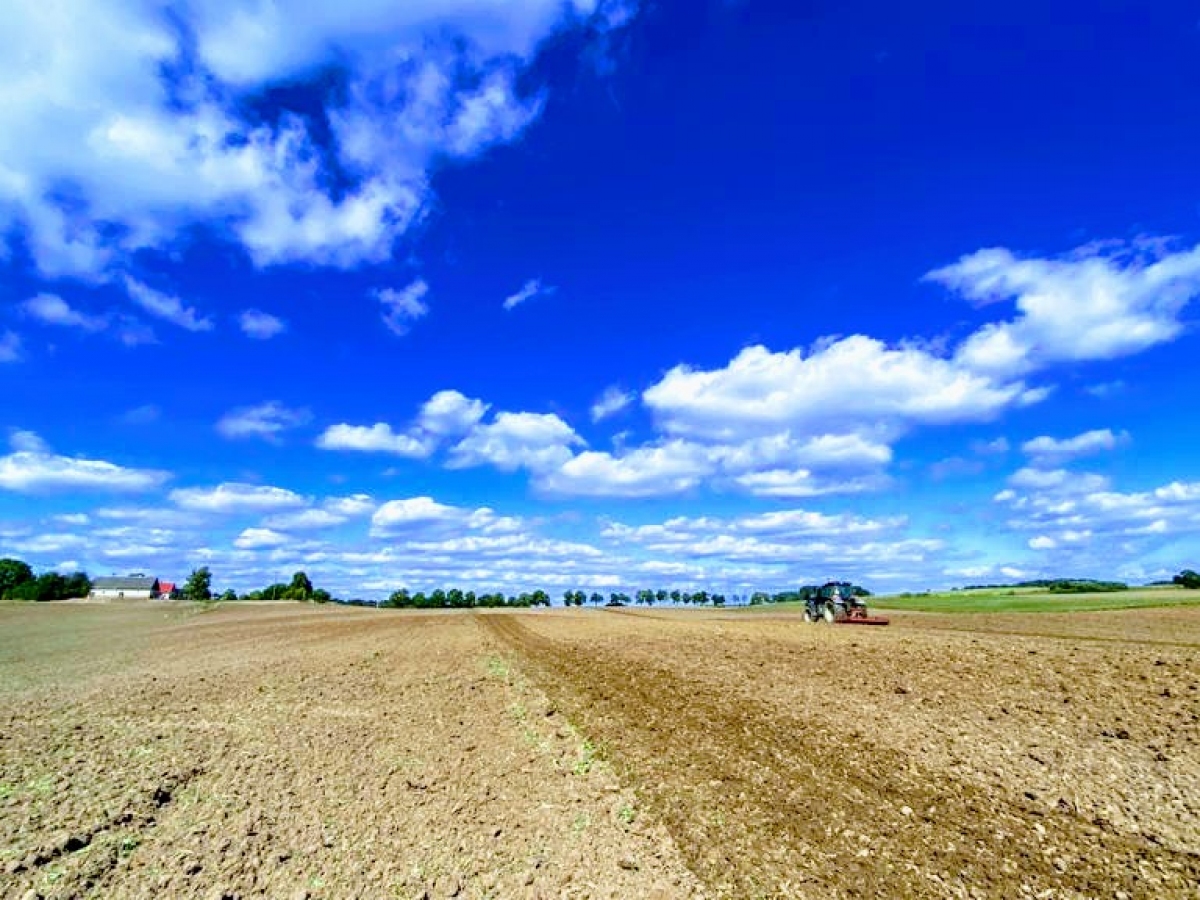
column 838, row 603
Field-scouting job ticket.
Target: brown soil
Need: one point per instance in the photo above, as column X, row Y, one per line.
column 283, row 751
column 290, row 752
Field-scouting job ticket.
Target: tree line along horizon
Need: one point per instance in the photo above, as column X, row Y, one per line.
column 18, row 582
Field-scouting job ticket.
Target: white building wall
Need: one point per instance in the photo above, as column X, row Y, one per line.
column 111, row 594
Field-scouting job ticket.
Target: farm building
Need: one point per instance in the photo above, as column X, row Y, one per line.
column 129, row 587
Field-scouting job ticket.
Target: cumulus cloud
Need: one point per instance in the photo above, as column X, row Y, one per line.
column 305, row 519
column 535, row 441
column 266, row 421
column 778, row 465
column 1078, row 521
column 235, row 497
column 158, row 137
column 354, row 505
column 165, row 306
column 446, row 415
column 532, row 288
column 1047, row 451
column 811, row 542
column 1101, row 302
column 53, row 310
column 450, row 413
column 402, row 308
column 647, row 471
column 843, row 383
column 377, row 438
column 33, row 467
column 424, row 516
column 254, row 538
column 611, row 402
column 260, row 325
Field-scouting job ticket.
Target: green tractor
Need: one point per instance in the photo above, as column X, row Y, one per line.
column 838, row 603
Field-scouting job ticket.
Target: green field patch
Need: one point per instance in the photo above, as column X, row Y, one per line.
column 1033, row 600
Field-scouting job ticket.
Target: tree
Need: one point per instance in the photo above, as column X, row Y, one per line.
column 13, row 573
column 399, row 600
column 320, row 595
column 229, row 596
column 78, row 585
column 1188, row 578
column 301, row 587
column 198, row 586
column 597, row 598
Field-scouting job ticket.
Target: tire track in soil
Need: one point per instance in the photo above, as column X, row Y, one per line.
column 766, row 802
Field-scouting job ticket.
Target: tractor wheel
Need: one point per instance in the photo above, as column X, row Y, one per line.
column 829, row 614
column 808, row 616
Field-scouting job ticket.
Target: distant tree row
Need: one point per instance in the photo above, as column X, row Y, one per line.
column 454, row 598
column 803, row 593
column 643, row 597
column 17, row 582
column 1057, row 586
column 198, row 589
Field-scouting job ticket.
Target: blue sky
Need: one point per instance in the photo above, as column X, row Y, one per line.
column 602, row 295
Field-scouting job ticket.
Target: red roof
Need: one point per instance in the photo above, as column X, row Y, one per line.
column 166, row 587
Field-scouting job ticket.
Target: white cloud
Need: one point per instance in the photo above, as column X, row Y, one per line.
column 234, row 497
column 52, row 309
column 305, row 519
column 147, row 152
column 532, row 288
column 777, row 465
column 669, row 468
column 535, row 441
column 611, row 402
column 72, row 518
column 1077, row 522
column 446, row 414
column 846, row 383
column 10, row 347
column 266, row 421
column 260, row 325
column 794, row 484
column 354, row 505
column 27, row 442
column 1046, row 450
column 422, row 517
column 255, row 538
column 377, row 438
column 165, row 306
column 807, row 543
column 450, row 413
column 32, row 467
column 1098, row 303
column 402, row 308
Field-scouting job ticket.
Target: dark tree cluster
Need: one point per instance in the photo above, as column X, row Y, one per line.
column 459, row 599
column 17, row 582
column 1057, row 586
column 1188, row 578
column 300, row 589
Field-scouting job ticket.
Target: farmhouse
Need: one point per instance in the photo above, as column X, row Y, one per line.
column 129, row 587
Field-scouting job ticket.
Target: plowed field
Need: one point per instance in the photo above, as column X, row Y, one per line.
column 278, row 751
